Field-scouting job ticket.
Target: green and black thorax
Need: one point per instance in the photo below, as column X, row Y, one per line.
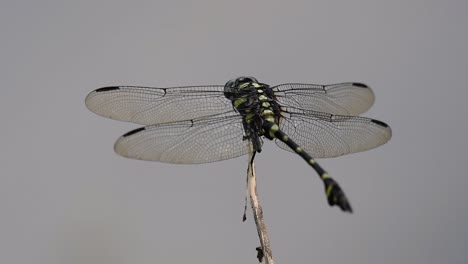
column 256, row 103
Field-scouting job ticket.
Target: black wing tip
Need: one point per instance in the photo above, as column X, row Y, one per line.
column 362, row 85
column 106, row 89
column 380, row 123
column 133, row 132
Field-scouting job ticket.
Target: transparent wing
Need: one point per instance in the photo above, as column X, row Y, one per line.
column 323, row 135
column 339, row 99
column 192, row 141
column 149, row 105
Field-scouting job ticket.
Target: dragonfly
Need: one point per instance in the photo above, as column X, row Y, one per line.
column 209, row 123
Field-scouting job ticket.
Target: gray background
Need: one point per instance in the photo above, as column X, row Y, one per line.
column 65, row 197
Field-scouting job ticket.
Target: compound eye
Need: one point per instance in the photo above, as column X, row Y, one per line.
column 230, row 83
column 245, row 80
column 241, row 80
column 252, row 79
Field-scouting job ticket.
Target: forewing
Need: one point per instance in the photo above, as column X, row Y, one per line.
column 339, row 99
column 324, row 136
column 188, row 142
column 149, row 105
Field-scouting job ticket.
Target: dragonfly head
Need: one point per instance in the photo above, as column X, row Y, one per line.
column 236, row 83
column 233, row 86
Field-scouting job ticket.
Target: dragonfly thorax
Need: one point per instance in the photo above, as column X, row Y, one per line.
column 255, row 102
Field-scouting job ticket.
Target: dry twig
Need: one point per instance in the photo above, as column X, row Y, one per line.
column 264, row 251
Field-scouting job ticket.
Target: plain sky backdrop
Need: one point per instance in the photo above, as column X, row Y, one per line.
column 66, row 197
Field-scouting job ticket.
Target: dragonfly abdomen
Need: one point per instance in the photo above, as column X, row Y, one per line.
column 333, row 191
